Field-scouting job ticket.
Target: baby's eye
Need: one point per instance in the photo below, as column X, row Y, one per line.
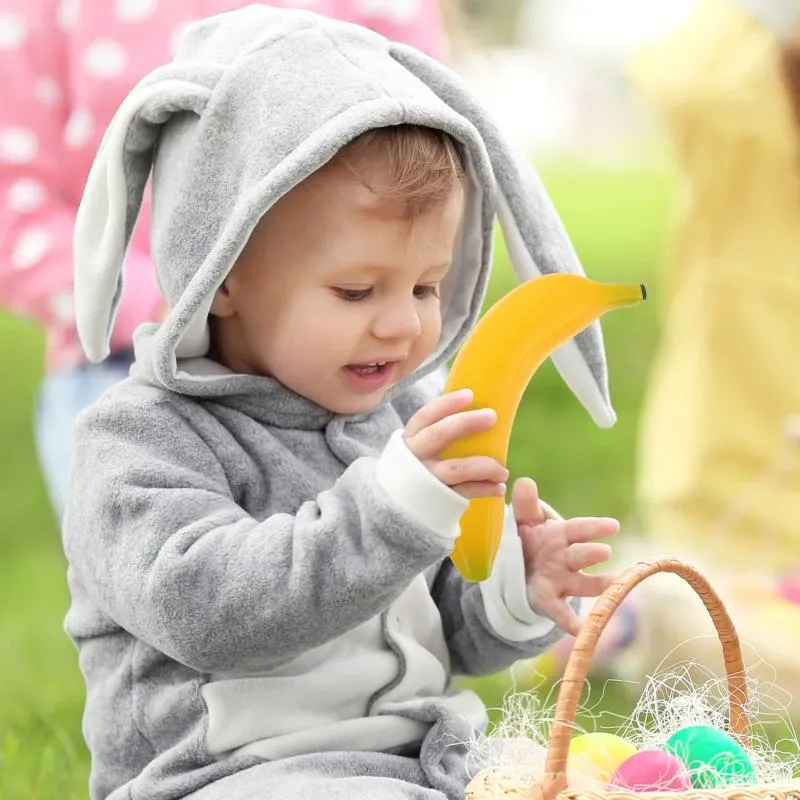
column 353, row 295
column 426, row 290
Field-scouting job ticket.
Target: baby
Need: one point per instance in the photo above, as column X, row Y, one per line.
column 260, row 519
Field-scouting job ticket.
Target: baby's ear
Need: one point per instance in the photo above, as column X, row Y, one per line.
column 222, row 305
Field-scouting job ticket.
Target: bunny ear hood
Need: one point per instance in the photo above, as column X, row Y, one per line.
column 254, row 102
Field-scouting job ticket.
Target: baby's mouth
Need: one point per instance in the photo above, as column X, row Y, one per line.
column 372, row 368
column 370, row 376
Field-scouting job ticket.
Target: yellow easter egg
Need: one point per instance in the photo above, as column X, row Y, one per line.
column 530, row 674
column 596, row 756
column 545, row 667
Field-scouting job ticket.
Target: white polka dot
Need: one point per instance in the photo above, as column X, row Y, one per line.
column 105, row 58
column 62, row 306
column 26, row 195
column 79, row 129
column 31, row 248
column 47, row 91
column 134, row 10
column 68, row 14
column 12, row 30
column 400, row 12
column 18, row 145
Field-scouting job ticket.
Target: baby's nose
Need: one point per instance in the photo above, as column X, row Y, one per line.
column 400, row 321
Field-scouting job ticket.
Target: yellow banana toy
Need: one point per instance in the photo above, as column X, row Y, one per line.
column 497, row 362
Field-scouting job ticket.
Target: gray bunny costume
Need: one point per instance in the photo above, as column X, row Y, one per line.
column 261, row 595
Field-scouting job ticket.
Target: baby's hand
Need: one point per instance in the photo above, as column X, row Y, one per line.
column 443, row 421
column 555, row 552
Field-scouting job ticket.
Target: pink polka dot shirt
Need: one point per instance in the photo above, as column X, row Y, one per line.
column 65, row 66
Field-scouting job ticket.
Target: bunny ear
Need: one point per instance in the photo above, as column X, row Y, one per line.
column 113, row 194
column 536, row 240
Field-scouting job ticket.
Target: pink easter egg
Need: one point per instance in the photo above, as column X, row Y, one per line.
column 651, row 771
column 789, row 588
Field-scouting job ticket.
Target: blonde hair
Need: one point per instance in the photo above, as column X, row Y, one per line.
column 417, row 165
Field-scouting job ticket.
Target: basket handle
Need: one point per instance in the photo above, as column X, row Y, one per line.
column 554, row 780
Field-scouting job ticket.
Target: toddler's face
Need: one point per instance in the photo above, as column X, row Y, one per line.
column 336, row 292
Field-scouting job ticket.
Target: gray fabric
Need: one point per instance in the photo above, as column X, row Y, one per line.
column 230, row 535
column 440, row 771
column 255, row 101
column 335, row 776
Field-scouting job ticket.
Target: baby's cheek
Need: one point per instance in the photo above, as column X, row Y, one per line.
column 432, row 327
column 422, row 349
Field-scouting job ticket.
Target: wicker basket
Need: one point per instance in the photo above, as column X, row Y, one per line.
column 511, row 784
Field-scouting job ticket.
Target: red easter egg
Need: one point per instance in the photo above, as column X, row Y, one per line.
column 651, row 771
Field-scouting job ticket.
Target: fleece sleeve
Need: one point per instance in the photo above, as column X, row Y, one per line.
column 164, row 550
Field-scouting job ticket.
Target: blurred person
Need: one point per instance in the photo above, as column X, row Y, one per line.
column 719, row 464
column 719, row 479
column 64, row 68
column 719, row 473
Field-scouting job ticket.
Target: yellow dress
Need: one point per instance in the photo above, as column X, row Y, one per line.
column 727, row 375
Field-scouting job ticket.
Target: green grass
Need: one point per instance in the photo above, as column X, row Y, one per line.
column 617, row 221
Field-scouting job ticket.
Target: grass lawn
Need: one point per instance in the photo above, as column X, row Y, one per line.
column 618, row 223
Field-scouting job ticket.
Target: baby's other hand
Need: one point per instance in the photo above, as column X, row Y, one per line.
column 555, row 552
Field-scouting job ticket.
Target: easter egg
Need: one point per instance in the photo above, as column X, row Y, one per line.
column 712, row 757
column 546, row 666
column 651, row 771
column 789, row 588
column 597, row 756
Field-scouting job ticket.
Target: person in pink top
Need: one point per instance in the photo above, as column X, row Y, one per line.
column 65, row 66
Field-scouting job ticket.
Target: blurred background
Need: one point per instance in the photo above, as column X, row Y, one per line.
column 556, row 75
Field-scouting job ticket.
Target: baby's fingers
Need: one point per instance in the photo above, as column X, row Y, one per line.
column 586, row 554
column 587, row 529
column 582, row 585
column 480, row 489
column 430, row 441
column 437, row 409
column 525, row 499
column 561, row 613
column 474, row 469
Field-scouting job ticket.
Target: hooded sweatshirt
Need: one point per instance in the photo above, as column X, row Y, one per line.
column 253, row 577
column 64, row 68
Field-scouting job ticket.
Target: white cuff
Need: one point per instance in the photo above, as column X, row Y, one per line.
column 422, row 496
column 505, row 591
